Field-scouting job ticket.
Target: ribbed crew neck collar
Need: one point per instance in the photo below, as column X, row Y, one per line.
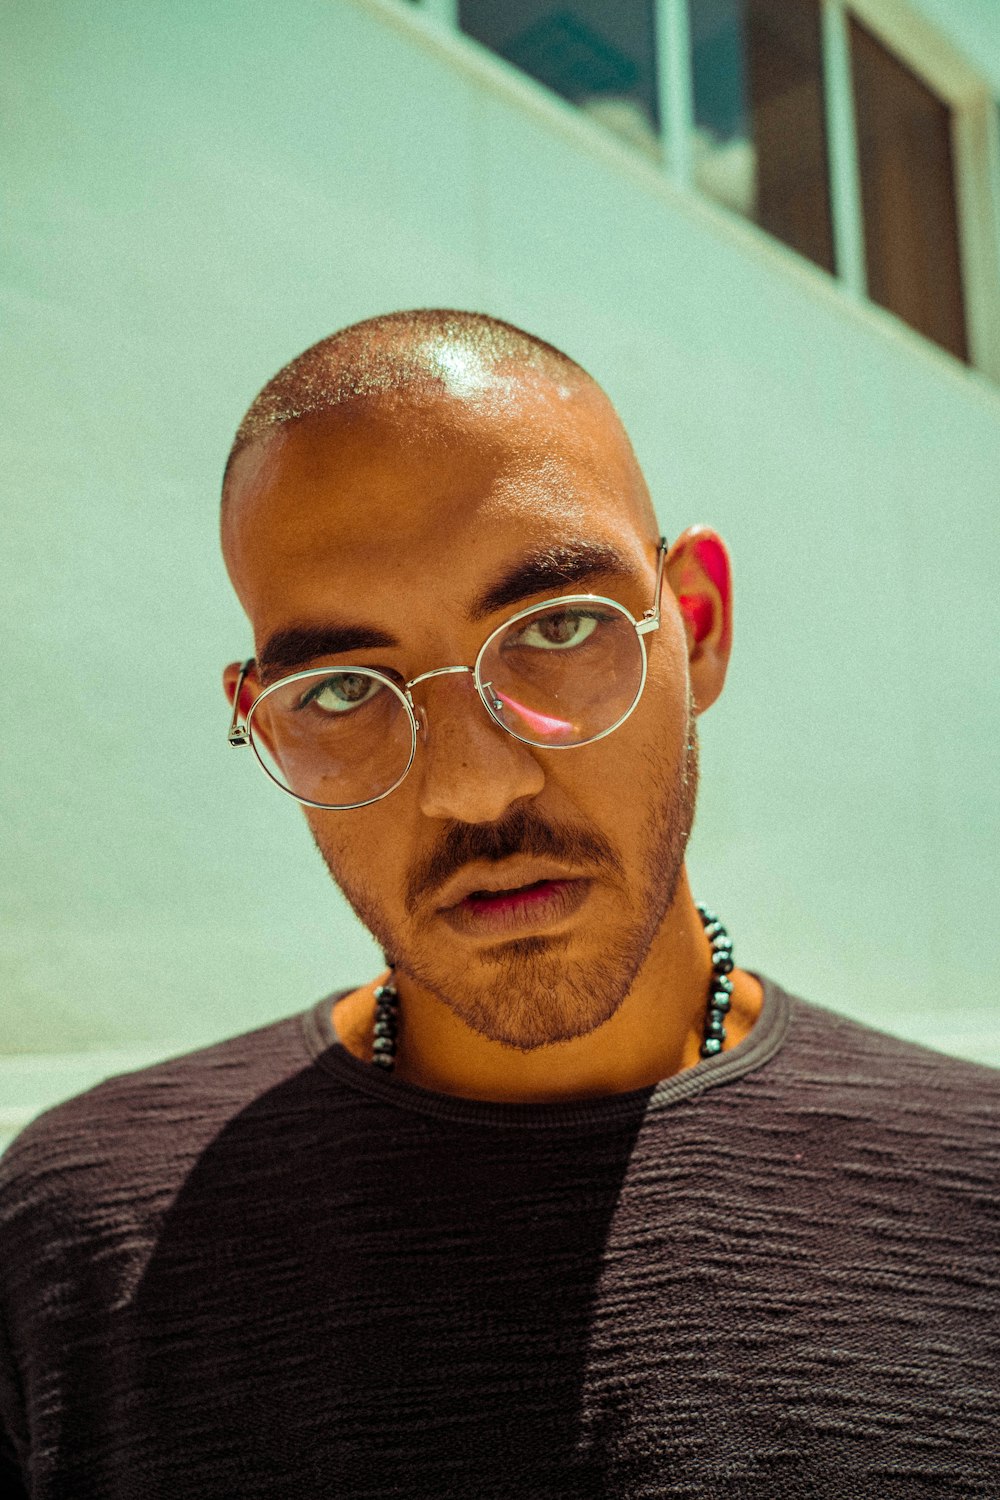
column 757, row 1047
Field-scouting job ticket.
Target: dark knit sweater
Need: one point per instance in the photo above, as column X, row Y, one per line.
column 267, row 1270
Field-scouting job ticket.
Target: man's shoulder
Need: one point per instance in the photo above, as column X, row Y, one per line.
column 862, row 1043
column 143, row 1127
column 835, row 1061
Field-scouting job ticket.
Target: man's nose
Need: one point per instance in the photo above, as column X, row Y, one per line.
column 470, row 769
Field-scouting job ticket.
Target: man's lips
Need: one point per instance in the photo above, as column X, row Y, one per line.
column 494, row 911
column 521, row 896
column 511, row 878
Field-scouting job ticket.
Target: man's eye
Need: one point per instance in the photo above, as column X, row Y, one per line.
column 557, row 632
column 342, row 692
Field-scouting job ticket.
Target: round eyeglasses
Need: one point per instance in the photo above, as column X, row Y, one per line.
column 562, row 673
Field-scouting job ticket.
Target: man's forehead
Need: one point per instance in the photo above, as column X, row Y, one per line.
column 427, row 479
column 508, row 415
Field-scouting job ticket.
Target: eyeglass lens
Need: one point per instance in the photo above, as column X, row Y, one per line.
column 556, row 677
column 563, row 676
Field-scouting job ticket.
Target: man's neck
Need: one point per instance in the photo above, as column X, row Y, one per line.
column 655, row 1033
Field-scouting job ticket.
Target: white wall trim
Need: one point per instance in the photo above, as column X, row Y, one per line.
column 921, row 46
column 976, row 152
column 445, row 12
column 845, row 176
column 675, row 86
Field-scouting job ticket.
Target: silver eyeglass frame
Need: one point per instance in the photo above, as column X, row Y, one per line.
column 240, row 731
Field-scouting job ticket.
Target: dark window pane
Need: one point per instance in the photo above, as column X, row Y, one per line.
column 908, row 194
column 759, row 116
column 724, row 152
column 601, row 57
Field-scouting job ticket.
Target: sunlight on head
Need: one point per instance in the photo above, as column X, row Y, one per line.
column 463, row 371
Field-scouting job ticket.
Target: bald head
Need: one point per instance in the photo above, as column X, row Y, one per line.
column 427, row 349
column 373, row 427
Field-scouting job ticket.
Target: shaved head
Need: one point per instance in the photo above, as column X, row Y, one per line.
column 428, row 348
column 390, row 371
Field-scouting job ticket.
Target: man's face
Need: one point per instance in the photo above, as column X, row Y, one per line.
column 397, row 516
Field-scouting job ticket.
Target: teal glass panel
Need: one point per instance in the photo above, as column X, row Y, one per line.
column 759, row 117
column 600, row 57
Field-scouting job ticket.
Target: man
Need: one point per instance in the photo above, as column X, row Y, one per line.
column 562, row 1203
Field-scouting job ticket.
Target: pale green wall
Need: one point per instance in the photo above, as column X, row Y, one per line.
column 195, row 192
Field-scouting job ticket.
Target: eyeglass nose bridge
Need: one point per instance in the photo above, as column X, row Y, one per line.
column 484, row 690
column 437, row 672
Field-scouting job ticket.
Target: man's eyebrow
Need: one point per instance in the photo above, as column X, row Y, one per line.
column 294, row 647
column 559, row 565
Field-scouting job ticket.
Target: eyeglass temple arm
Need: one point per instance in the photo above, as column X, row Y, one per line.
column 651, row 619
column 238, row 733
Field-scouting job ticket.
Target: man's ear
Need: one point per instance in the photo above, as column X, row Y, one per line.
column 697, row 570
column 249, row 690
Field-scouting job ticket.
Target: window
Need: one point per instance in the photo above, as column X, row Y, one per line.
column 911, row 232
column 600, row 57
column 851, row 130
column 760, row 134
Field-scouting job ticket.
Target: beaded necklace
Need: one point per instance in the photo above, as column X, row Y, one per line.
column 719, row 992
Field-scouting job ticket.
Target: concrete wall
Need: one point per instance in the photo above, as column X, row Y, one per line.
column 198, row 189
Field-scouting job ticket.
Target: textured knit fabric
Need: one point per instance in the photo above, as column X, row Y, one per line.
column 267, row 1270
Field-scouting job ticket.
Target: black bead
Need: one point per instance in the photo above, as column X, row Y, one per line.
column 714, row 1027
column 385, row 1027
column 383, row 1044
column 722, row 963
column 720, row 1001
column 382, row 1060
column 710, row 1046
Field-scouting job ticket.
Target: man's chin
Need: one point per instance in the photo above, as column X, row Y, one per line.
column 534, row 991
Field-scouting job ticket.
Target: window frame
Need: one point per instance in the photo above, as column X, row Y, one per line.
column 928, row 53
column 917, row 43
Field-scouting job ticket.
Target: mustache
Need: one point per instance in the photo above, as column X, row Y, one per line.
column 517, row 832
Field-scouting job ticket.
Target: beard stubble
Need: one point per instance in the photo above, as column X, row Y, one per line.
column 528, row 993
